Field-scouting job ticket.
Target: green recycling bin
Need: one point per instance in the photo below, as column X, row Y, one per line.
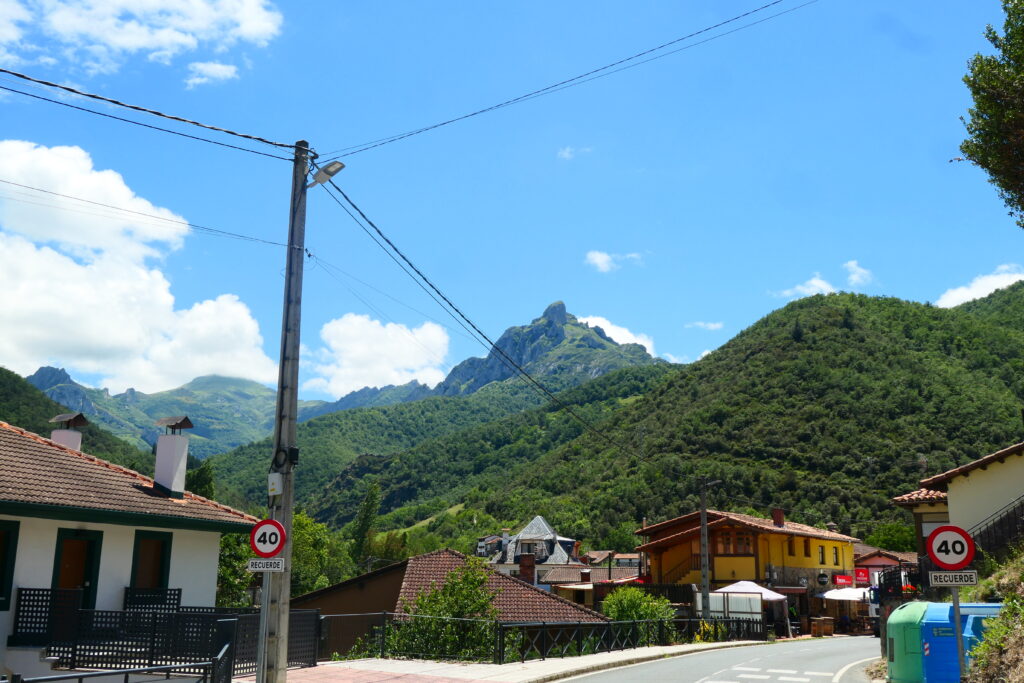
column 903, row 631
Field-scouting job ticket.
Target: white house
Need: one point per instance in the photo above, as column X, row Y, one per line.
column 69, row 520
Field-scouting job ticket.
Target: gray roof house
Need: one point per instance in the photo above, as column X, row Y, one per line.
column 531, row 553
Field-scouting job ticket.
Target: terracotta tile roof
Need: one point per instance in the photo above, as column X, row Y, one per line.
column 690, row 524
column 572, row 574
column 939, row 480
column 41, row 474
column 862, row 551
column 515, row 599
column 920, row 496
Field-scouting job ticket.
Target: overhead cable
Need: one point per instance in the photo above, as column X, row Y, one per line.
column 592, row 74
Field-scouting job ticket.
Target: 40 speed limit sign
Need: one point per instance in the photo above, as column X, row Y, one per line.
column 267, row 538
column 950, row 547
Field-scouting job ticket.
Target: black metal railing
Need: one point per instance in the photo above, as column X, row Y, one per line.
column 385, row 634
column 216, row 670
column 119, row 639
column 678, row 593
column 152, row 599
column 1002, row 530
column 541, row 640
column 42, row 614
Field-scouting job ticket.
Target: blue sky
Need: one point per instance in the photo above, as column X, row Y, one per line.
column 678, row 201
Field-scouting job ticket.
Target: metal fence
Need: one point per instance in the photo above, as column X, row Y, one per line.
column 216, row 670
column 1002, row 530
column 385, row 634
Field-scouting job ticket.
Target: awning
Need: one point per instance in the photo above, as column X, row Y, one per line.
column 849, row 594
column 751, row 587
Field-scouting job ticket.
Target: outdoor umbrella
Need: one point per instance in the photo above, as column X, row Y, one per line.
column 751, row 587
column 849, row 594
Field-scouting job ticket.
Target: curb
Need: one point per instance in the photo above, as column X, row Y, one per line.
column 594, row 668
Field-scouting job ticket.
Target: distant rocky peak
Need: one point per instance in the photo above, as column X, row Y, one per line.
column 48, row 377
column 556, row 313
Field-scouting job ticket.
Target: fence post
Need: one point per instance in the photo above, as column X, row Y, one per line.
column 661, row 632
column 227, row 630
column 383, row 626
column 579, row 638
column 543, row 640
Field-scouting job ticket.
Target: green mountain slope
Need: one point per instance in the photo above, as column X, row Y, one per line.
column 556, row 348
column 22, row 405
column 826, row 408
column 226, row 411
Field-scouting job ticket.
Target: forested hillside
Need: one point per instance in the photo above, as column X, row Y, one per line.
column 826, row 408
column 22, row 405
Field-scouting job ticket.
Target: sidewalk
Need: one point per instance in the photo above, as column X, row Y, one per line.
column 534, row 671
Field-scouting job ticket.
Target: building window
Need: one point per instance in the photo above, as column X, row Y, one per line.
column 8, row 552
column 724, row 540
column 744, row 544
column 807, row 547
column 821, row 554
column 151, row 559
column 526, row 547
column 835, row 556
column 791, row 546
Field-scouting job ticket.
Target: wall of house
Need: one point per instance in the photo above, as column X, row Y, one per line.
column 193, row 567
column 926, row 519
column 974, row 497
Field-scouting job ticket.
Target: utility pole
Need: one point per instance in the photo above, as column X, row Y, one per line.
column 705, row 586
column 277, row 599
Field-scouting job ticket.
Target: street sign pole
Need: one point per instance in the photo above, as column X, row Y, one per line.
column 958, row 631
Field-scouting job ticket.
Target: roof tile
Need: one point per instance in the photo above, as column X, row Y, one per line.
column 42, row 472
column 920, row 496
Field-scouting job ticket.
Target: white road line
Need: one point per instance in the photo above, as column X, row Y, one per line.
column 794, row 678
column 720, row 681
column 760, row 677
column 781, row 671
column 745, row 668
column 818, row 673
column 841, row 672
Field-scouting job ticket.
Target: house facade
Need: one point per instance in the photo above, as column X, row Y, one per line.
column 743, row 547
column 974, row 496
column 99, row 532
column 530, row 554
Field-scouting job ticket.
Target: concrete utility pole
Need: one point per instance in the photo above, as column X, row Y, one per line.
column 277, row 598
column 705, row 585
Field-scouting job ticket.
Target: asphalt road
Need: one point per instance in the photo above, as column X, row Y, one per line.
column 822, row 660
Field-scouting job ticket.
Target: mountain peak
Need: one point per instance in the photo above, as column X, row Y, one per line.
column 48, row 376
column 556, row 313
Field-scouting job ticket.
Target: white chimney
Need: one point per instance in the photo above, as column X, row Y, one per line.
column 68, row 436
column 172, row 456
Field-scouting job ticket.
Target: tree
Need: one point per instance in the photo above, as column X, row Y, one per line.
column 200, row 480
column 362, row 529
column 629, row 603
column 996, row 124
column 893, row 536
column 233, row 578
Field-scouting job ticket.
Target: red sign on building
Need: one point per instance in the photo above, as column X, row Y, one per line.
column 842, row 580
column 861, row 575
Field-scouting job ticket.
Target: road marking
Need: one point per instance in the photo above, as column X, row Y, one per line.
column 761, row 677
column 745, row 668
column 841, row 672
column 818, row 673
column 794, row 678
column 781, row 671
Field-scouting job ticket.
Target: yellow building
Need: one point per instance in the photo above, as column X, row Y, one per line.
column 792, row 558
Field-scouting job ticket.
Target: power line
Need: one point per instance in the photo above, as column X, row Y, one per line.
column 194, row 226
column 593, row 74
column 139, row 123
column 454, row 310
column 145, row 110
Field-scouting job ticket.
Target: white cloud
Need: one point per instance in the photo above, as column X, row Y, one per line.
column 983, row 285
column 816, row 285
column 604, row 262
column 569, row 153
column 620, row 334
column 206, row 72
column 78, row 292
column 706, row 326
column 12, row 15
column 704, row 354
column 856, row 275
column 98, row 34
column 673, row 359
column 361, row 352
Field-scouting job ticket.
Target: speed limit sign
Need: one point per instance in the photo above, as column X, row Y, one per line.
column 267, row 538
column 950, row 547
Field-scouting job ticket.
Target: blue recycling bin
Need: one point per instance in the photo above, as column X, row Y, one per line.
column 939, row 634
